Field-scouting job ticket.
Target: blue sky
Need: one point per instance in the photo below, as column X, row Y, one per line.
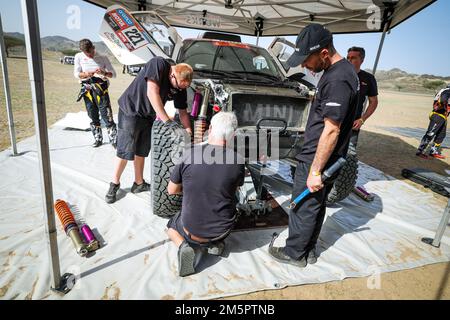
column 419, row 45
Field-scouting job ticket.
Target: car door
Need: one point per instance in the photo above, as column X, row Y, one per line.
column 281, row 49
column 136, row 37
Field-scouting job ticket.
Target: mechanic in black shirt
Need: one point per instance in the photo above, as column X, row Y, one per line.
column 327, row 137
column 208, row 176
column 437, row 128
column 368, row 90
column 139, row 105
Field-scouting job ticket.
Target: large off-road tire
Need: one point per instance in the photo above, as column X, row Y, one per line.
column 168, row 142
column 346, row 180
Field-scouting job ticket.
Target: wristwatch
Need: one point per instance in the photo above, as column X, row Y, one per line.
column 316, row 173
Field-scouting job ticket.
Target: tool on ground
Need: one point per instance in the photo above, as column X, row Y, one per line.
column 89, row 237
column 327, row 174
column 70, row 226
column 363, row 194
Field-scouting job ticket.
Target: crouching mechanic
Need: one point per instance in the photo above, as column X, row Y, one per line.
column 142, row 101
column 93, row 70
column 437, row 128
column 208, row 177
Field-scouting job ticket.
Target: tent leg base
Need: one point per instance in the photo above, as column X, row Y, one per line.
column 67, row 282
column 430, row 242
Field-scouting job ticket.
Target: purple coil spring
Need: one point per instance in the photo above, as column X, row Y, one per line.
column 196, row 104
column 87, row 233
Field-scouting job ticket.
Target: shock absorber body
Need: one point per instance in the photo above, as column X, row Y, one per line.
column 70, row 226
column 200, row 123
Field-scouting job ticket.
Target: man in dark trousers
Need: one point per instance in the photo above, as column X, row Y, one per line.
column 437, row 128
column 208, row 176
column 139, row 105
column 368, row 90
column 327, row 137
column 93, row 71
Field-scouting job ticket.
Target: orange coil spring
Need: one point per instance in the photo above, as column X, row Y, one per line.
column 199, row 130
column 64, row 213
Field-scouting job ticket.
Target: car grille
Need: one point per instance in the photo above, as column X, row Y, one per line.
column 250, row 108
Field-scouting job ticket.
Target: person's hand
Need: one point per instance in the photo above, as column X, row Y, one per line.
column 189, row 130
column 314, row 183
column 357, row 124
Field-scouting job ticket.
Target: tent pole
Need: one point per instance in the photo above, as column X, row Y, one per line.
column 257, row 40
column 12, row 130
column 34, row 58
column 380, row 48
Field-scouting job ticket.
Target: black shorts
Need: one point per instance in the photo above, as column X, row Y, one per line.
column 134, row 136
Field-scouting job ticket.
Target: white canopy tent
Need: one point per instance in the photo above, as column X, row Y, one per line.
column 282, row 17
column 253, row 17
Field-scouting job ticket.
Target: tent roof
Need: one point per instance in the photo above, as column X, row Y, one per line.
column 282, row 17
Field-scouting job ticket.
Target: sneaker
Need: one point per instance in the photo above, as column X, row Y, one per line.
column 111, row 195
column 312, row 256
column 136, row 188
column 186, row 257
column 278, row 254
column 97, row 144
column 437, row 156
column 421, row 155
column 216, row 248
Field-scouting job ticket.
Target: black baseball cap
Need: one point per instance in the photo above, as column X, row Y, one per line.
column 311, row 39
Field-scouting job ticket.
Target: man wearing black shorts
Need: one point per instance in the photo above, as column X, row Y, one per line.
column 208, row 176
column 327, row 137
column 139, row 105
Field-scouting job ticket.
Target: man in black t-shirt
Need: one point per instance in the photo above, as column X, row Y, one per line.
column 139, row 105
column 327, row 137
column 208, row 176
column 368, row 90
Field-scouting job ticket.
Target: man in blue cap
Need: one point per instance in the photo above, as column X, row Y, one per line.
column 327, row 137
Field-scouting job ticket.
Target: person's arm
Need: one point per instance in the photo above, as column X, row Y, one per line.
column 155, row 100
column 175, row 183
column 107, row 70
column 174, row 188
column 325, row 147
column 373, row 104
column 185, row 120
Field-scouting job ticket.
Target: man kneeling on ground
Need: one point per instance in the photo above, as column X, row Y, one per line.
column 208, row 177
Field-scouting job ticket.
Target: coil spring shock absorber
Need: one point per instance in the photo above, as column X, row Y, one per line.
column 200, row 123
column 70, row 226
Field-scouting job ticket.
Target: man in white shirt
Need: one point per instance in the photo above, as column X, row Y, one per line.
column 93, row 71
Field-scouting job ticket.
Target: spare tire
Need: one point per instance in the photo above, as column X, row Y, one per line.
column 168, row 142
column 346, row 179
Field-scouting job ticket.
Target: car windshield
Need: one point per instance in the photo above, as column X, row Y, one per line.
column 229, row 57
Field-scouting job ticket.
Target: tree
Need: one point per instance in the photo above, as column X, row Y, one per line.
column 11, row 42
column 433, row 85
column 69, row 52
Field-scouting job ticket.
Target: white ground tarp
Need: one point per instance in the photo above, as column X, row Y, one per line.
column 138, row 262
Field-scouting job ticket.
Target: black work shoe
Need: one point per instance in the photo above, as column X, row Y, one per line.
column 312, row 256
column 278, row 254
column 111, row 195
column 186, row 257
column 216, row 248
column 97, row 143
column 136, row 188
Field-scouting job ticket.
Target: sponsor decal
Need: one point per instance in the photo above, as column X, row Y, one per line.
column 125, row 17
column 119, row 20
